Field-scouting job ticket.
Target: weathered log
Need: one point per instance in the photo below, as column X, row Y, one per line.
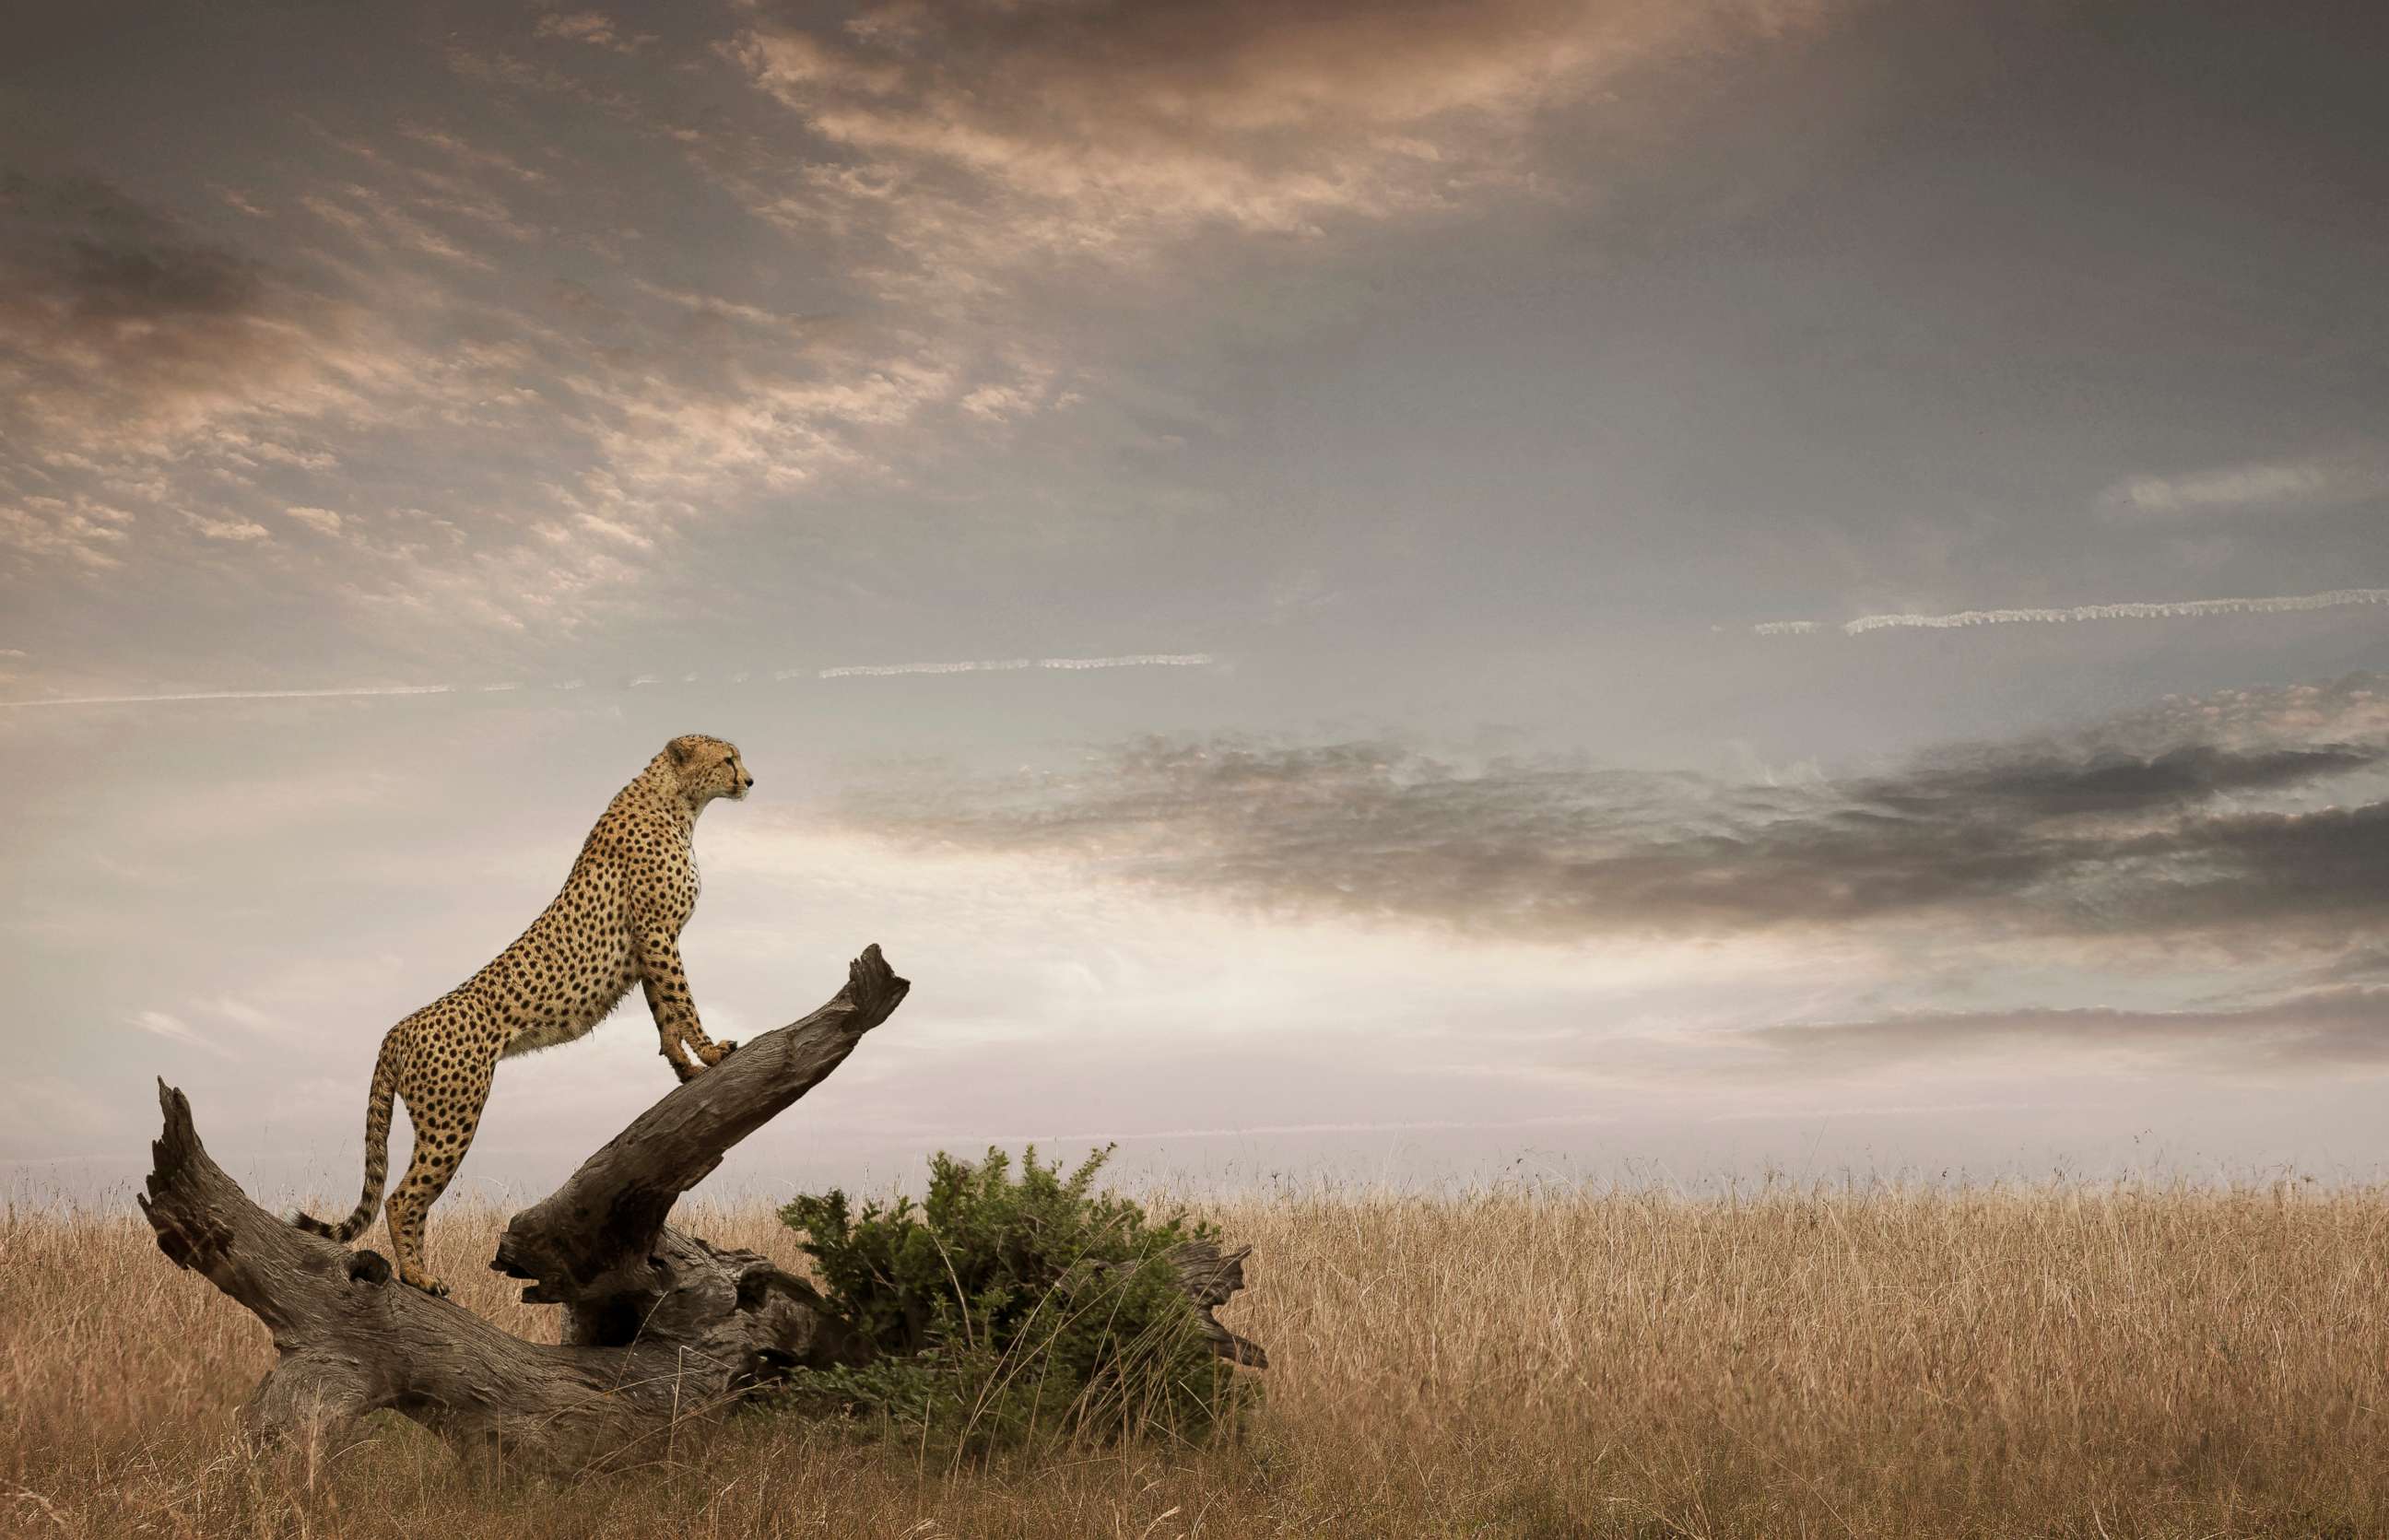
column 1209, row 1277
column 660, row 1327
column 663, row 1326
column 598, row 1245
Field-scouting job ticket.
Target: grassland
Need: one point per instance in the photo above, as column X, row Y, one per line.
column 2055, row 1361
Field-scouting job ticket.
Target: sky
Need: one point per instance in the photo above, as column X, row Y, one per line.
column 1383, row 593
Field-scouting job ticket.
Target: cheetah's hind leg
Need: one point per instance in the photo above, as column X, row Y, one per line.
column 446, row 1114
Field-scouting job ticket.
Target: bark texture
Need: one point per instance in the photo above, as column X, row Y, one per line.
column 660, row 1327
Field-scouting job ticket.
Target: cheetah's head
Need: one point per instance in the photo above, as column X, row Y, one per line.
column 708, row 767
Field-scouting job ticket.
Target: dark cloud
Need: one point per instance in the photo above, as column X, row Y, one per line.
column 2074, row 836
column 110, row 285
column 2347, row 1026
column 116, row 317
column 2109, row 783
column 99, row 259
column 2328, row 867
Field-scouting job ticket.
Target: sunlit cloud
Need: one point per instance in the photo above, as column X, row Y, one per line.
column 413, row 290
column 87, row 533
column 979, row 138
column 323, row 520
column 479, row 157
column 593, row 28
column 715, row 305
column 168, row 386
column 137, row 333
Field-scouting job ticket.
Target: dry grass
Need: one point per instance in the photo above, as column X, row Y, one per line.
column 2056, row 1361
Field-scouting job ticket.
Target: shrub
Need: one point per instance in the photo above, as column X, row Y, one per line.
column 1005, row 1310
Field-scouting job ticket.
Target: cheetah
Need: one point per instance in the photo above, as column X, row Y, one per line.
column 617, row 923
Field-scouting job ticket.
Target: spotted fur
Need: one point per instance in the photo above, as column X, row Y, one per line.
column 617, row 923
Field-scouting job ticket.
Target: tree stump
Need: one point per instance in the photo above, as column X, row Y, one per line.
column 660, row 1327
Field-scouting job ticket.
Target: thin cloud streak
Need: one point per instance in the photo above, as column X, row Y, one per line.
column 883, row 670
column 242, row 696
column 1438, row 1125
column 174, row 1030
column 1131, row 660
column 2161, row 610
column 1136, row 660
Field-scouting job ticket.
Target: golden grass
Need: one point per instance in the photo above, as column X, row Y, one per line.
column 2068, row 1360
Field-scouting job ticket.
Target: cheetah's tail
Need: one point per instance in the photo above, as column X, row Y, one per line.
column 385, row 1087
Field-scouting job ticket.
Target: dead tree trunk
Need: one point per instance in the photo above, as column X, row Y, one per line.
column 660, row 1327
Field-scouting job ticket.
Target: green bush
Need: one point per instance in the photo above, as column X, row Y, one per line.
column 1005, row 1311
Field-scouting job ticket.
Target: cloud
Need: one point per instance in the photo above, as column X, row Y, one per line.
column 164, row 384
column 131, row 340
column 2171, row 609
column 2342, row 1028
column 234, row 529
column 593, row 28
column 1131, row 660
column 979, row 136
column 478, row 157
column 2192, row 818
column 241, row 1014
column 857, row 670
column 173, row 1028
column 114, row 310
column 2045, row 785
column 730, row 309
column 2254, row 488
column 384, row 223
column 88, row 533
column 323, row 520
column 2352, row 708
column 206, row 370
column 238, row 695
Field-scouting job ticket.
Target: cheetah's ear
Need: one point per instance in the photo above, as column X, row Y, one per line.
column 680, row 749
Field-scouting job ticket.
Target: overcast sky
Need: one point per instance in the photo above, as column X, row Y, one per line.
column 1548, row 588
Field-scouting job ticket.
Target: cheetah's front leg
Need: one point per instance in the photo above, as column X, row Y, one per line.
column 666, row 983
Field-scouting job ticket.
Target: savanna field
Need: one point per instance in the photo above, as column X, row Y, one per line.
column 2059, row 1361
